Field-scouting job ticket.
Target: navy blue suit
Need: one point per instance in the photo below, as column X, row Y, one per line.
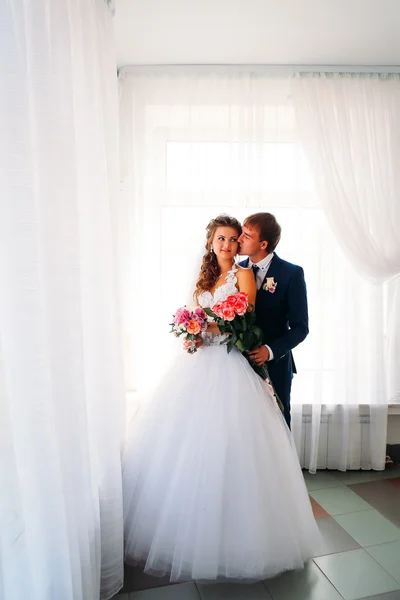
column 283, row 318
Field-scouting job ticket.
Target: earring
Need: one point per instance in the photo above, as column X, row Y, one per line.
column 211, row 249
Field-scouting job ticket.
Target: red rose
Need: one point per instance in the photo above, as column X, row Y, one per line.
column 230, row 302
column 241, row 307
column 217, row 308
column 228, row 313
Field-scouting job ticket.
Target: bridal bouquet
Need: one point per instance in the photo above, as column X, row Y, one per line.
column 190, row 323
column 233, row 318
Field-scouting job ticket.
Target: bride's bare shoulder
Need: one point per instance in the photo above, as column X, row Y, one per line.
column 244, row 272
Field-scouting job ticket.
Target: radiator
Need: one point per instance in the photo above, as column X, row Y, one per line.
column 342, row 438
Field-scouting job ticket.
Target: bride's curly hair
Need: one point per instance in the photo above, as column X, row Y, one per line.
column 210, row 271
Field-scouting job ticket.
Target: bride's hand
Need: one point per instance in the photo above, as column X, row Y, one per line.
column 213, row 328
column 198, row 343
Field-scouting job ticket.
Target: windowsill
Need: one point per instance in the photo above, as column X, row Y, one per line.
column 393, row 409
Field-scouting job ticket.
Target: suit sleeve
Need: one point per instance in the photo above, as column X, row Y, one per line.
column 297, row 316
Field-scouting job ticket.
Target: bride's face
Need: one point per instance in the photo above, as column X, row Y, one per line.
column 225, row 242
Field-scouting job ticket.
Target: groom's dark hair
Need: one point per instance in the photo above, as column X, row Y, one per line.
column 268, row 227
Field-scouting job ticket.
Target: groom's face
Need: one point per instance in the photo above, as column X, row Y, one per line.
column 250, row 242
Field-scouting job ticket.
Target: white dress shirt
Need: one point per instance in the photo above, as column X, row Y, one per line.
column 263, row 266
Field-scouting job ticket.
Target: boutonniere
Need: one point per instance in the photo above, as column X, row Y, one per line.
column 270, row 285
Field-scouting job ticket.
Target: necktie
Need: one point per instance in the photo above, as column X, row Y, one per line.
column 255, row 271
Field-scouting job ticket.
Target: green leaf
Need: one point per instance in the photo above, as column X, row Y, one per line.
column 247, row 340
column 257, row 330
column 240, row 346
column 251, row 319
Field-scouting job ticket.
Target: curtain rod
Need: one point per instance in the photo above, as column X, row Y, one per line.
column 245, row 68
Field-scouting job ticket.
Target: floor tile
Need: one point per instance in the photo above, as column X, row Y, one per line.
column 389, row 596
column 181, row 591
column 393, row 471
column 377, row 492
column 356, row 574
column 387, row 555
column 128, row 579
column 382, row 496
column 369, row 528
column 392, row 514
column 334, row 538
column 135, row 579
column 318, row 511
column 309, row 584
column 339, row 500
column 352, row 477
column 232, row 591
column 394, row 481
column 321, row 480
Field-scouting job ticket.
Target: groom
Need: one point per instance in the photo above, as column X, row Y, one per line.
column 281, row 302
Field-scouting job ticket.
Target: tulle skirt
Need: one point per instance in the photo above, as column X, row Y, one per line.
column 212, row 484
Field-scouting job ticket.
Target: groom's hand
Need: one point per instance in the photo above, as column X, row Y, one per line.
column 260, row 356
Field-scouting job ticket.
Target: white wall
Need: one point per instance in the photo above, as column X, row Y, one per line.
column 311, row 32
column 393, row 432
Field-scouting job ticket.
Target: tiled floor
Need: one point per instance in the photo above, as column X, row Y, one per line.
column 358, row 514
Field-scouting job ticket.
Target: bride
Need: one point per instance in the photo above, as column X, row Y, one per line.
column 212, row 484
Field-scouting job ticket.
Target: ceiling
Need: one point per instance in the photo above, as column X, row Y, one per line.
column 281, row 32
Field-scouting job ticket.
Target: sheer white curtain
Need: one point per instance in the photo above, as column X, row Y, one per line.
column 349, row 125
column 61, row 377
column 194, row 144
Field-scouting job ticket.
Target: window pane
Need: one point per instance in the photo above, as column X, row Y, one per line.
column 212, row 166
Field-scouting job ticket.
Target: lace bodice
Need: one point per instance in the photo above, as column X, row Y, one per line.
column 207, row 300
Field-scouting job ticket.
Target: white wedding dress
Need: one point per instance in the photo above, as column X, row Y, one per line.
column 212, row 484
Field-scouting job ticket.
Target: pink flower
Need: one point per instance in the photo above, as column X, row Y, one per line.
column 241, row 308
column 270, row 285
column 182, row 315
column 228, row 313
column 239, row 302
column 199, row 313
column 217, row 308
column 200, row 317
column 231, row 301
